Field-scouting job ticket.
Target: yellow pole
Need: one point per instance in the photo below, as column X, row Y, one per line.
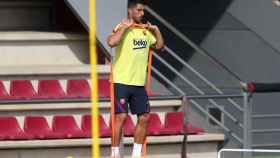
column 94, row 91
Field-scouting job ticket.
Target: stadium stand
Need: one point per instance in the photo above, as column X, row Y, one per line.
column 66, row 127
column 66, row 134
column 45, row 100
column 52, row 89
column 58, row 117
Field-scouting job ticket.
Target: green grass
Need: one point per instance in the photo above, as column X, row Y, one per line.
column 268, row 156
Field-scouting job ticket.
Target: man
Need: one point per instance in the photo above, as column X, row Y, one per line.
column 132, row 40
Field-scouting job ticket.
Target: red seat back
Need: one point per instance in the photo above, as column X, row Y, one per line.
column 154, row 126
column 36, row 124
column 129, row 126
column 67, row 126
column 22, row 89
column 64, row 124
column 10, row 129
column 78, row 88
column 9, row 125
column 50, row 89
column 104, row 130
column 86, row 123
column 174, row 122
column 104, row 87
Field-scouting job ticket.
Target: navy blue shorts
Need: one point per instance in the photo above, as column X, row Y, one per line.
column 130, row 97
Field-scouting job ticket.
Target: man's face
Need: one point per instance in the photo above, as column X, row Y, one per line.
column 136, row 12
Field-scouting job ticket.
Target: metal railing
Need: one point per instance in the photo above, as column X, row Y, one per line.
column 228, row 131
column 188, row 41
column 201, row 77
column 246, row 110
column 264, row 88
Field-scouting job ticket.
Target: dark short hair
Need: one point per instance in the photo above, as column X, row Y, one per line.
column 133, row 3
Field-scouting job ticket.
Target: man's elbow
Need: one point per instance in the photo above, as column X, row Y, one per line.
column 111, row 43
column 159, row 46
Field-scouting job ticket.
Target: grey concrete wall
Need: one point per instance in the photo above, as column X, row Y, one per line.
column 241, row 34
column 108, row 14
column 253, row 53
column 26, row 15
column 260, row 16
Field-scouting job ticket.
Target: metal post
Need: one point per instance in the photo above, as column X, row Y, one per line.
column 247, row 136
column 185, row 110
column 122, row 145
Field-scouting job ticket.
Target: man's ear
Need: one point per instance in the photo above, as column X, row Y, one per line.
column 129, row 10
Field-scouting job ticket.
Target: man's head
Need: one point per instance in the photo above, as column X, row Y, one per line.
column 136, row 10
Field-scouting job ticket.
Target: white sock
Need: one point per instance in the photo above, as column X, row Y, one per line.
column 115, row 152
column 137, row 150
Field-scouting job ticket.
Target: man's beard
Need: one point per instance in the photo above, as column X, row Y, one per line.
column 138, row 20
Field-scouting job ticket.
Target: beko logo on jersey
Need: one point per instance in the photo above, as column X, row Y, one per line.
column 139, row 44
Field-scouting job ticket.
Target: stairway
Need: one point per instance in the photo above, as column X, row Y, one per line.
column 195, row 57
column 240, row 37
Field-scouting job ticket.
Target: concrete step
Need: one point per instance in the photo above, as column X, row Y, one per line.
column 34, row 48
column 199, row 146
column 78, row 108
column 51, row 72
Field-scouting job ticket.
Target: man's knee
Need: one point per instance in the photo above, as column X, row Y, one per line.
column 143, row 119
column 120, row 118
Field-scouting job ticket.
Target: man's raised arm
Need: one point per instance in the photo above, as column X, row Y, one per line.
column 114, row 39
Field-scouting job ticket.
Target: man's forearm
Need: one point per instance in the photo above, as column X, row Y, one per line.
column 114, row 39
column 159, row 38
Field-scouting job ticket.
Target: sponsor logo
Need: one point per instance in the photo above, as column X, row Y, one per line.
column 139, row 44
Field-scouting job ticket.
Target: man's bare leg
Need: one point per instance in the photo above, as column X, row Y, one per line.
column 140, row 134
column 119, row 121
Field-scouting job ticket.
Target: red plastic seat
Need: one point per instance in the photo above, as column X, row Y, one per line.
column 67, row 126
column 10, row 130
column 194, row 130
column 50, row 89
column 173, row 124
column 78, row 89
column 22, row 89
column 104, row 130
column 104, row 87
column 38, row 127
column 3, row 92
column 154, row 126
column 129, row 127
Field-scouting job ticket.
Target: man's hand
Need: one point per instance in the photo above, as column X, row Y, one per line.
column 155, row 30
column 114, row 39
column 151, row 27
column 126, row 23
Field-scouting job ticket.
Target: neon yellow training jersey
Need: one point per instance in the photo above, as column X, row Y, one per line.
column 131, row 59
